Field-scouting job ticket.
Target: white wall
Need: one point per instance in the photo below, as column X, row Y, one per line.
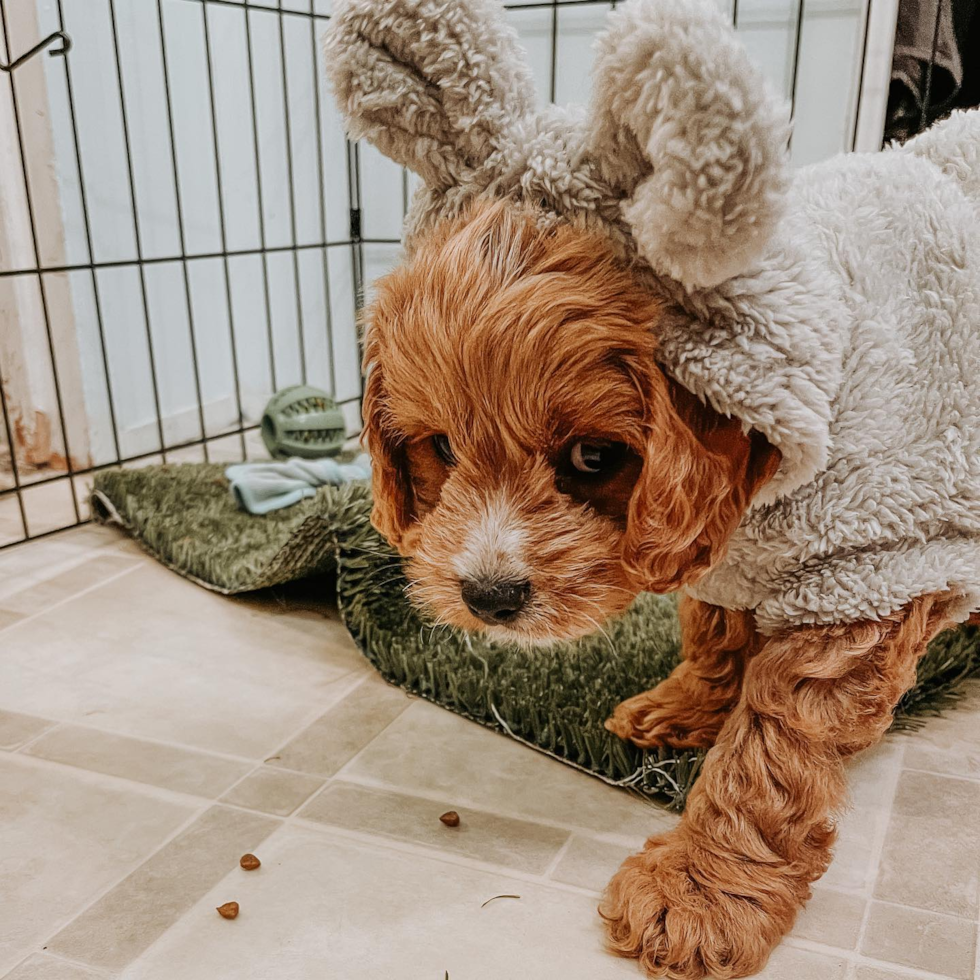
column 265, row 312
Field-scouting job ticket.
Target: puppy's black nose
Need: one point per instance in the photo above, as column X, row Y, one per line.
column 493, row 601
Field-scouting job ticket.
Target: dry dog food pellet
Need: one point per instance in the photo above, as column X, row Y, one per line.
column 250, row 862
column 229, row 910
column 450, row 819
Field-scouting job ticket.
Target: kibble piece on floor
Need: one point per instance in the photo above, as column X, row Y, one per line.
column 450, row 819
column 250, row 862
column 229, row 910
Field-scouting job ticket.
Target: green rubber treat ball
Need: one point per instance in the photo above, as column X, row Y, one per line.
column 303, row 421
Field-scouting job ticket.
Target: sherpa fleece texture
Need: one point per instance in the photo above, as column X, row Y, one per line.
column 837, row 311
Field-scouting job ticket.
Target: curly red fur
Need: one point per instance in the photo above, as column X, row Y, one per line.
column 510, row 343
column 712, row 897
column 688, row 709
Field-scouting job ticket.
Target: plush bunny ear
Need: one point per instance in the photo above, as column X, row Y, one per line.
column 684, row 126
column 434, row 84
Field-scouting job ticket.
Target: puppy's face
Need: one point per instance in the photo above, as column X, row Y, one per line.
column 530, row 457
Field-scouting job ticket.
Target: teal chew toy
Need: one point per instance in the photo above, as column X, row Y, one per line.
column 303, row 421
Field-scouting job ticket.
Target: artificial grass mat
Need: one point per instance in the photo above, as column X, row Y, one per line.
column 554, row 700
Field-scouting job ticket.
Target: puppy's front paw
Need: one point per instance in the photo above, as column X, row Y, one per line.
column 669, row 715
column 684, row 920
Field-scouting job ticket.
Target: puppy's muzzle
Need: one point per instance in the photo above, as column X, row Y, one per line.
column 495, row 602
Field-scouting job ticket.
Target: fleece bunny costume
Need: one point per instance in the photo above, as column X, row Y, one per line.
column 836, row 310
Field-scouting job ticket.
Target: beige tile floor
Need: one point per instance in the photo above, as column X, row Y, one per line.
column 151, row 733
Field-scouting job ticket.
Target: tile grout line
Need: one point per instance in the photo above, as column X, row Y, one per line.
column 432, row 852
column 59, row 723
column 876, row 853
column 70, row 558
column 136, row 566
column 6, row 602
column 169, row 839
column 369, row 782
column 152, row 789
column 557, row 859
column 881, row 831
column 53, row 727
column 122, row 783
column 70, row 549
column 97, row 972
column 943, row 775
column 375, row 843
column 917, row 908
column 260, row 766
column 327, row 779
column 877, row 849
column 164, row 743
column 155, row 789
column 856, row 959
column 200, row 806
column 912, row 971
column 410, row 700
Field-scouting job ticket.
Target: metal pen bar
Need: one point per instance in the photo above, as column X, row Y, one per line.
column 180, row 224
column 223, row 229
column 356, row 221
column 32, row 220
column 546, row 4
column 14, row 469
column 860, row 85
column 87, row 223
column 553, row 80
column 321, row 197
column 136, row 229
column 190, row 257
column 240, row 5
column 796, row 60
column 292, row 195
column 261, row 205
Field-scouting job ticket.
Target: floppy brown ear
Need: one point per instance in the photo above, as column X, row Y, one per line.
column 394, row 506
column 700, row 472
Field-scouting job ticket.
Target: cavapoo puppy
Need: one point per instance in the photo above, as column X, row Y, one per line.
column 534, row 462
column 628, row 352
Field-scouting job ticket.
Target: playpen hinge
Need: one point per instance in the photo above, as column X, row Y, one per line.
column 355, row 224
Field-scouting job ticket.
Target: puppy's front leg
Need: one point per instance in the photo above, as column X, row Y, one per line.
column 688, row 709
column 714, row 896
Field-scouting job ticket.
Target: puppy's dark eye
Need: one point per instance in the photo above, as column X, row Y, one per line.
column 444, row 450
column 596, row 458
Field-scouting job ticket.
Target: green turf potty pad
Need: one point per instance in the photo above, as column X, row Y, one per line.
column 554, row 700
column 184, row 516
